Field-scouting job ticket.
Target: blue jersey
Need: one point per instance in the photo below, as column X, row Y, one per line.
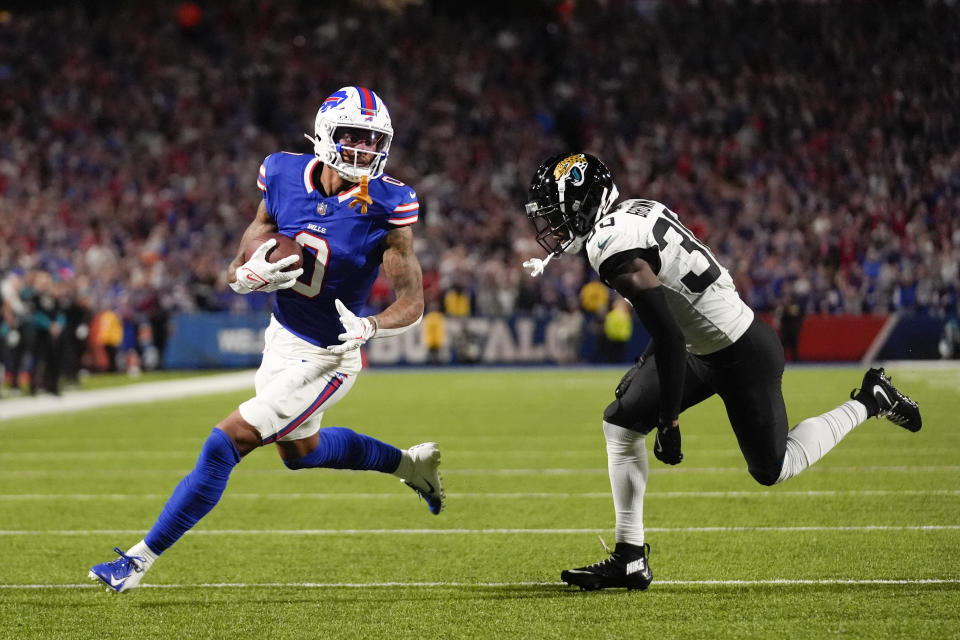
column 342, row 246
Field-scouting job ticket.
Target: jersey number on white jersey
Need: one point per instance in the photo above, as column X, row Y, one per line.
column 670, row 231
column 321, row 251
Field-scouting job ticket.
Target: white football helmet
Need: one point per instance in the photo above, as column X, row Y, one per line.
column 349, row 116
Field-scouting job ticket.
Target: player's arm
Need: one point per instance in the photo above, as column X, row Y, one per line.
column 633, row 278
column 402, row 270
column 256, row 273
column 262, row 223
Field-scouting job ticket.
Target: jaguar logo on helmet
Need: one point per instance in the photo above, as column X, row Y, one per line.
column 572, row 168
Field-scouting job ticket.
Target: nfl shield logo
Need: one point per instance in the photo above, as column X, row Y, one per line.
column 322, row 209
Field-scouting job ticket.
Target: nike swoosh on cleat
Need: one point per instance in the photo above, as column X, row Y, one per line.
column 877, row 389
column 116, row 583
column 429, row 485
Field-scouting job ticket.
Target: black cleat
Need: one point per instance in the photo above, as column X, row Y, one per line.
column 627, row 567
column 882, row 400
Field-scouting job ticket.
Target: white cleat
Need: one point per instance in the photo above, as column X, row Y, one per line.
column 425, row 477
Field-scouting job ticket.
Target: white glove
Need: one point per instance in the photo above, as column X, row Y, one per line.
column 358, row 330
column 257, row 274
column 536, row 265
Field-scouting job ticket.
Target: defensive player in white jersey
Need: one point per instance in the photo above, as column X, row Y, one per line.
column 705, row 341
column 350, row 218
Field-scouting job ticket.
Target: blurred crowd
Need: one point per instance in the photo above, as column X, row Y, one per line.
column 815, row 146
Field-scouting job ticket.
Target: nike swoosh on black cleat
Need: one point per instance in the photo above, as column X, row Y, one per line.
column 877, row 389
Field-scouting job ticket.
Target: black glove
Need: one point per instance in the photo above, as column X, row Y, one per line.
column 667, row 445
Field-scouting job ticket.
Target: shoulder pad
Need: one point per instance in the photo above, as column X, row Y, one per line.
column 400, row 201
column 626, row 228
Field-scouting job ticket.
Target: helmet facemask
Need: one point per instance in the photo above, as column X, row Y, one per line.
column 556, row 230
column 349, row 118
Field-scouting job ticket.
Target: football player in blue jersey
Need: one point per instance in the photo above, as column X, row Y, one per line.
column 351, row 219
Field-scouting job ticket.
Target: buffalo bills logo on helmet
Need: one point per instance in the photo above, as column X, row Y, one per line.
column 333, row 101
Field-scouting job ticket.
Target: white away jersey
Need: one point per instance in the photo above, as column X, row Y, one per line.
column 699, row 291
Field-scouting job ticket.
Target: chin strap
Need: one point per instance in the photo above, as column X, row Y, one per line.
column 317, row 147
column 363, row 197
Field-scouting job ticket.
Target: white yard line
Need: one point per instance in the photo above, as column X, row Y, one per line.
column 131, row 394
column 496, row 585
column 469, row 532
column 524, row 495
column 822, row 468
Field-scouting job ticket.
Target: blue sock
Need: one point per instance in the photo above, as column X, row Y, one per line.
column 197, row 493
column 342, row 448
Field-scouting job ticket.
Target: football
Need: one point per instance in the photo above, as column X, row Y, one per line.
column 286, row 246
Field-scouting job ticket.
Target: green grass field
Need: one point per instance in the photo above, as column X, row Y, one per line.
column 864, row 545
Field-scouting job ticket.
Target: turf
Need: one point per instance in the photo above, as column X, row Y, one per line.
column 862, row 545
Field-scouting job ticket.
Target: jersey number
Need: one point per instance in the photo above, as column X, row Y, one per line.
column 321, row 253
column 695, row 282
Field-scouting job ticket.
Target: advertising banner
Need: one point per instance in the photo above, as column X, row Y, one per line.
column 221, row 340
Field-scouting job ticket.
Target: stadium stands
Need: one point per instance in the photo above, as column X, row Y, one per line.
column 814, row 144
